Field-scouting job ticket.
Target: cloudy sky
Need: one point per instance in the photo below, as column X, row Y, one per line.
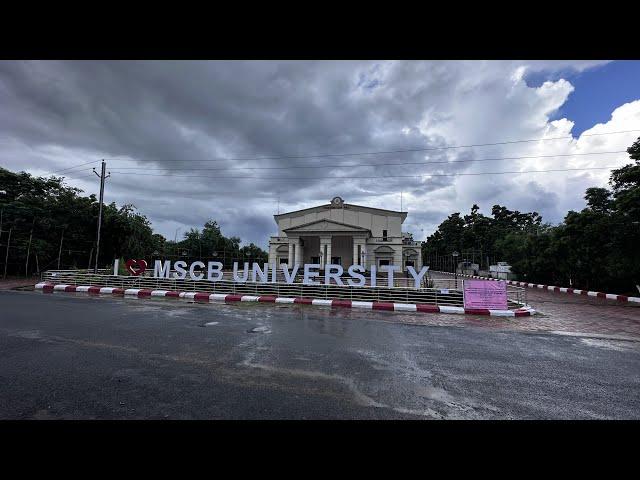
column 190, row 141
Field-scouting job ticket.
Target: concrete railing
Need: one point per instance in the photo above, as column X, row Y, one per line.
column 433, row 296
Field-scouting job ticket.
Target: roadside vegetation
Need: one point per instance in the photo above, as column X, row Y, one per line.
column 596, row 248
column 45, row 223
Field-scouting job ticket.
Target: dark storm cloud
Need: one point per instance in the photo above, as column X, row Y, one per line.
column 173, row 119
column 158, row 112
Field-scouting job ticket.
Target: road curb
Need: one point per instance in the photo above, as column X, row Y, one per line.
column 225, row 297
column 553, row 288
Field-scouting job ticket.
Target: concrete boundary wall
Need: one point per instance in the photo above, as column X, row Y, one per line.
column 381, row 293
column 221, row 297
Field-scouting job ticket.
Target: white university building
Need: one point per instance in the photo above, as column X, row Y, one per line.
column 344, row 234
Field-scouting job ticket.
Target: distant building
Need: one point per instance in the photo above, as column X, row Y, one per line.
column 468, row 268
column 502, row 270
column 344, row 234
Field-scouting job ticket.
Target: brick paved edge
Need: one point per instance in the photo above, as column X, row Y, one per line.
column 552, row 288
column 224, row 297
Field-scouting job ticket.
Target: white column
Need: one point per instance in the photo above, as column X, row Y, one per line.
column 358, row 248
column 360, row 257
column 290, row 259
column 325, row 249
column 298, row 253
column 355, row 253
column 398, row 258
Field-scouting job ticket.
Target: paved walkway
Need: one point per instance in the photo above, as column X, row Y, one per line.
column 556, row 312
column 570, row 313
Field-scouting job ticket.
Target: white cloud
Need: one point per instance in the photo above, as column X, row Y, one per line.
column 57, row 114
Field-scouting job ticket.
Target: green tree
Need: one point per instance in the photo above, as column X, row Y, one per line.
column 50, row 212
column 595, row 248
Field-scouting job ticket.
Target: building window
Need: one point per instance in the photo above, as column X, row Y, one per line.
column 336, row 260
column 284, row 260
column 409, row 263
column 383, row 262
column 315, row 260
column 384, row 236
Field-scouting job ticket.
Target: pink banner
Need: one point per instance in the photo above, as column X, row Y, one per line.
column 485, row 294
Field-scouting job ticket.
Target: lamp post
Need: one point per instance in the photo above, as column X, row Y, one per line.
column 455, row 267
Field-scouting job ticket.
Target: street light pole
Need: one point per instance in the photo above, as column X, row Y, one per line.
column 455, row 267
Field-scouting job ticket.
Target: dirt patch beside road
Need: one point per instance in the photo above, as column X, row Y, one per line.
column 11, row 283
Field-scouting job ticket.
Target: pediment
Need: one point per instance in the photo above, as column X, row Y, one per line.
column 325, row 225
column 384, row 249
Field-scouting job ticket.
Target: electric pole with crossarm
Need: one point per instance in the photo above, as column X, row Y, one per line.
column 102, row 179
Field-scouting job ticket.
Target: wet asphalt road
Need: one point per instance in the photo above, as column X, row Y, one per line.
column 80, row 357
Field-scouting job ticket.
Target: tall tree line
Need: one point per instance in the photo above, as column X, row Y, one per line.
column 595, row 248
column 210, row 244
column 45, row 223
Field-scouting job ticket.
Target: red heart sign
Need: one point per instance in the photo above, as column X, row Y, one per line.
column 141, row 264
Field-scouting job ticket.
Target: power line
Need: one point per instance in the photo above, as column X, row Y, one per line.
column 82, row 177
column 68, row 175
column 360, row 177
column 373, row 164
column 410, row 150
column 72, row 167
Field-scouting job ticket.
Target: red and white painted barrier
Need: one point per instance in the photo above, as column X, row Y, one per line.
column 225, row 297
column 552, row 288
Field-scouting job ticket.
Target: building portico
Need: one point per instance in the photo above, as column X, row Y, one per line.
column 345, row 235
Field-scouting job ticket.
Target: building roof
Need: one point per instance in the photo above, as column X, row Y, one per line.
column 324, row 224
column 343, row 205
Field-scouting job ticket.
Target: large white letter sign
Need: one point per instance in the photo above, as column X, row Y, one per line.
column 217, row 271
column 353, row 273
column 289, row 277
column 308, row 274
column 192, row 269
column 417, row 277
column 161, row 270
column 245, row 272
column 390, row 269
column 328, row 274
column 180, row 272
column 263, row 274
column 260, row 272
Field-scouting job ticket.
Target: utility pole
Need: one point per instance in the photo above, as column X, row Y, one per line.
column 6, row 258
column 26, row 265
column 60, row 249
column 102, row 179
column 175, row 242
